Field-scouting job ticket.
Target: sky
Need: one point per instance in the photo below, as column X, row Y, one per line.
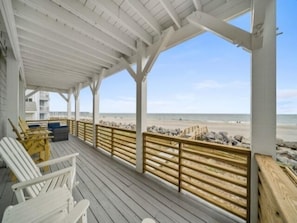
column 205, row 74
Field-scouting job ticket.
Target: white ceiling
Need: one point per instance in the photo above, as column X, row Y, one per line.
column 61, row 43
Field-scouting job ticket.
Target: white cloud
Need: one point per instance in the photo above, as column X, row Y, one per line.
column 206, row 84
column 287, row 101
column 287, row 93
column 123, row 104
column 212, row 84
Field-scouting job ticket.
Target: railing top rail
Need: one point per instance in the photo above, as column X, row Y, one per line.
column 209, row 145
column 116, row 128
column 283, row 190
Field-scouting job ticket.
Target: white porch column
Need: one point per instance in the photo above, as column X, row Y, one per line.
column 12, row 92
column 22, row 104
column 141, row 117
column 69, row 104
column 144, row 65
column 77, row 102
column 94, row 86
column 263, row 100
column 69, row 107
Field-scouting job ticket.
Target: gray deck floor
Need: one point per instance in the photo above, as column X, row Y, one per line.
column 118, row 193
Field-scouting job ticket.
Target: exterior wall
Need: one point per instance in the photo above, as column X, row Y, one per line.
column 3, row 97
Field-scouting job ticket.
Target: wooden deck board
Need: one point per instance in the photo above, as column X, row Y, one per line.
column 117, row 193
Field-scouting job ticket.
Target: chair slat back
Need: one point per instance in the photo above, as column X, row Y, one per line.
column 23, row 125
column 14, row 128
column 20, row 163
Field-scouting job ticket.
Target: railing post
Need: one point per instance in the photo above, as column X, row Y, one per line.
column 179, row 165
column 144, row 152
column 95, row 127
column 85, row 125
column 77, row 128
column 112, row 141
column 248, row 188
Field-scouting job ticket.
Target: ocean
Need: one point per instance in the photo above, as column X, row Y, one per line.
column 282, row 119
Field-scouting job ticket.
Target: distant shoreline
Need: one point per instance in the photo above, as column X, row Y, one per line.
column 233, row 124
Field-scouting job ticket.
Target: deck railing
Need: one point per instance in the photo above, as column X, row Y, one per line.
column 219, row 174
column 118, row 142
column 85, row 131
column 277, row 193
column 216, row 173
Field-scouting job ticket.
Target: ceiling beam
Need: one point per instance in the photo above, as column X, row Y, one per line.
column 145, row 15
column 48, row 89
column 40, row 57
column 68, row 38
column 32, row 92
column 32, row 39
column 59, row 59
column 56, row 53
column 198, row 5
column 78, row 9
column 121, row 17
column 258, row 18
column 45, row 65
column 233, row 34
column 171, row 12
column 58, row 14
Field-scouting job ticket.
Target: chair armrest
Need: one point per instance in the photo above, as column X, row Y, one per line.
column 58, row 160
column 78, row 212
column 41, row 179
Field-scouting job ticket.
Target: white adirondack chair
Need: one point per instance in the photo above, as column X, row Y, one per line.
column 30, row 178
column 54, row 206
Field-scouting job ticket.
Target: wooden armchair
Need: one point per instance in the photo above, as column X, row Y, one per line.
column 29, row 175
column 38, row 131
column 37, row 146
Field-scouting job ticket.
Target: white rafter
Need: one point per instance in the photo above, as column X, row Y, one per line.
column 122, row 18
column 58, row 47
column 171, row 12
column 63, row 16
column 229, row 32
column 78, row 9
column 197, row 4
column 145, row 14
column 68, row 38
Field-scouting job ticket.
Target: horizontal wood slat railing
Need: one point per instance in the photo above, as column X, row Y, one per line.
column 72, row 126
column 85, row 131
column 277, row 193
column 216, row 173
column 219, row 174
column 119, row 142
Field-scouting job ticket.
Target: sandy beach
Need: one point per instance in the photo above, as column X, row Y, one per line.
column 285, row 132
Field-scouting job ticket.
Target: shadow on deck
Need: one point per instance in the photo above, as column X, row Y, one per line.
column 119, row 194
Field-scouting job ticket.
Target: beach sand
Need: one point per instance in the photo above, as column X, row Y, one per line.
column 284, row 132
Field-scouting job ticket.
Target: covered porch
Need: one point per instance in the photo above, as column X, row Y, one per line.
column 65, row 46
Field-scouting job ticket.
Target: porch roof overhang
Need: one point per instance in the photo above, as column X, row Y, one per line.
column 60, row 44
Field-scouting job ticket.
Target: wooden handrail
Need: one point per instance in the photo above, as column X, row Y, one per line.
column 277, row 193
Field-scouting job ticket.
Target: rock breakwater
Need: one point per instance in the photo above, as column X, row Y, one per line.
column 286, row 151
